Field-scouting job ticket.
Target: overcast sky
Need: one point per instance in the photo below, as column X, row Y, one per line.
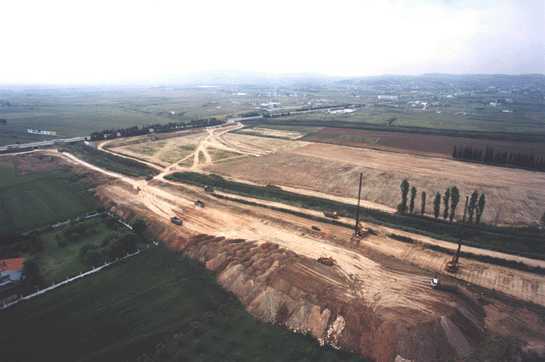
column 96, row 41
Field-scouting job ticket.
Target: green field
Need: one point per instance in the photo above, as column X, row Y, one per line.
column 459, row 103
column 82, row 110
column 110, row 162
column 483, row 121
column 36, row 199
column 527, row 242
column 155, row 306
column 60, row 257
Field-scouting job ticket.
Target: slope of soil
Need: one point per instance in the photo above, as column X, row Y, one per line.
column 366, row 303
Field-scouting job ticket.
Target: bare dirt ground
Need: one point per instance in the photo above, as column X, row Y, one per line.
column 389, row 290
column 163, row 152
column 513, row 196
column 369, row 301
column 379, row 285
column 216, row 138
column 425, row 144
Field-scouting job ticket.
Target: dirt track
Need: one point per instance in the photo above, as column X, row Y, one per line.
column 392, row 290
column 392, row 293
column 166, row 202
column 215, row 138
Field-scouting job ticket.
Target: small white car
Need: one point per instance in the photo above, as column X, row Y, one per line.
column 434, row 283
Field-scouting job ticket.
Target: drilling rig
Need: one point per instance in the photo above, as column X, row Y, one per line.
column 359, row 231
column 453, row 264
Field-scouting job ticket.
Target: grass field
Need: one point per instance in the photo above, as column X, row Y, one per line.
column 155, row 306
column 313, row 121
column 60, row 255
column 82, row 110
column 459, row 103
column 110, row 162
column 35, row 199
column 462, row 117
column 511, row 240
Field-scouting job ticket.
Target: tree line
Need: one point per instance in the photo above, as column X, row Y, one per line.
column 449, row 200
column 154, row 128
column 491, row 156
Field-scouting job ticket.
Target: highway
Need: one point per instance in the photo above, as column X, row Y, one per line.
column 24, row 146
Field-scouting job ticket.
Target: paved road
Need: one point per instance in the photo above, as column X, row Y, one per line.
column 24, row 146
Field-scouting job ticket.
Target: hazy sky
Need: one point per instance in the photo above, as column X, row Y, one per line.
column 94, row 41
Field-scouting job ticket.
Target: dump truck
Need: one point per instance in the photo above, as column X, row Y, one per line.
column 176, row 220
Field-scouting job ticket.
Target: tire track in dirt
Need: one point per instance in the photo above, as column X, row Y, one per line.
column 521, row 285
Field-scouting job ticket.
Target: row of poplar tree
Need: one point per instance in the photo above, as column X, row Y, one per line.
column 475, row 203
column 491, row 156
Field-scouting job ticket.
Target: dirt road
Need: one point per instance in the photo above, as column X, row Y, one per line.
column 216, row 138
column 164, row 203
column 389, row 288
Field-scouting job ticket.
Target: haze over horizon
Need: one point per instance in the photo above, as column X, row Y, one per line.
column 75, row 42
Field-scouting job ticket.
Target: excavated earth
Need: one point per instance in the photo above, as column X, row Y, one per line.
column 370, row 301
column 392, row 314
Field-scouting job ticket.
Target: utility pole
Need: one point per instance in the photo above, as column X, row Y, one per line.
column 465, row 210
column 357, row 225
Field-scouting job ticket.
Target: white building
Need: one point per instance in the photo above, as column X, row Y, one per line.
column 41, row 132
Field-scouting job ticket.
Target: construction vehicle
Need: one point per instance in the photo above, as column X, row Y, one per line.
column 447, row 286
column 208, row 188
column 459, row 290
column 199, row 204
column 329, row 261
column 359, row 231
column 453, row 264
column 176, row 220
